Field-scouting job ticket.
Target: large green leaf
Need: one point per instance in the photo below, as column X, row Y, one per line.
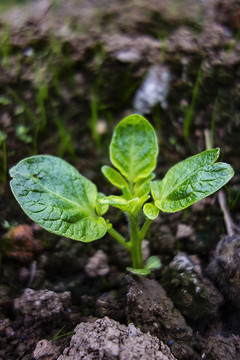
column 57, row 197
column 134, row 148
column 190, row 181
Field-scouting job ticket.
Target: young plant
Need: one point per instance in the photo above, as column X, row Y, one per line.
column 61, row 200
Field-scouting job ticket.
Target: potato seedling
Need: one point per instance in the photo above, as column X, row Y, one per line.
column 61, row 200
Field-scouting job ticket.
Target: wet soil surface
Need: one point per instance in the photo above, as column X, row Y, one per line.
column 69, row 71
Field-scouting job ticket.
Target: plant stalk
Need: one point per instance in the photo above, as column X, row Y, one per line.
column 134, row 246
column 136, row 243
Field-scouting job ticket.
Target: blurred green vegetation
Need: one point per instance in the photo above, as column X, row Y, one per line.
column 4, row 5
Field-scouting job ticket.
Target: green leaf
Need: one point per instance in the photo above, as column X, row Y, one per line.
column 142, row 186
column 143, row 181
column 130, row 206
column 126, row 193
column 151, row 211
column 182, row 170
column 144, row 190
column 155, row 189
column 140, row 272
column 134, row 148
column 5, row 100
column 114, row 177
column 57, row 197
column 101, row 208
column 190, row 181
column 153, row 262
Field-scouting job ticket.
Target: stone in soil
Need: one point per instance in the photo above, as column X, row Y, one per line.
column 219, row 348
column 224, row 268
column 19, row 244
column 45, row 350
column 191, row 292
column 97, row 265
column 36, row 314
column 149, row 308
column 106, row 339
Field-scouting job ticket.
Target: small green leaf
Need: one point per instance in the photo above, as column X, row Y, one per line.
column 114, row 177
column 155, row 189
column 126, row 193
column 190, row 181
column 142, row 186
column 151, row 211
column 57, row 197
column 143, row 181
column 5, row 100
column 153, row 262
column 134, row 148
column 144, row 190
column 140, row 272
column 101, row 208
column 115, row 200
column 130, row 206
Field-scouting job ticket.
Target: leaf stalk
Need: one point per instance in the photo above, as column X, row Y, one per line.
column 115, row 234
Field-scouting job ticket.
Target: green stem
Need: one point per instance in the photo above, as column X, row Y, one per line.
column 115, row 234
column 134, row 246
column 144, row 228
column 136, row 243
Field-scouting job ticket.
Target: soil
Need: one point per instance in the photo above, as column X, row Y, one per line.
column 69, row 71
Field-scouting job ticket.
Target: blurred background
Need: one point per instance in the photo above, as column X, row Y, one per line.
column 69, row 72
